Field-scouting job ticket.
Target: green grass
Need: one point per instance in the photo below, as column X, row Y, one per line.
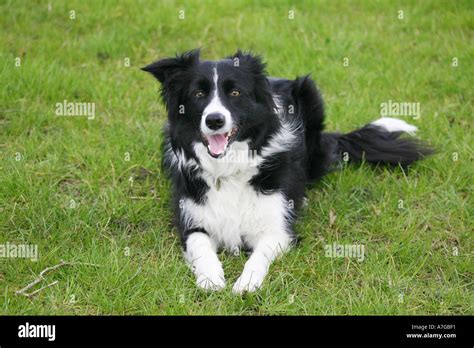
column 409, row 266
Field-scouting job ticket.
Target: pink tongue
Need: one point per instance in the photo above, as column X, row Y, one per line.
column 217, row 143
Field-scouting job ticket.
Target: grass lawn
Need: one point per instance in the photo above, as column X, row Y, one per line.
column 92, row 191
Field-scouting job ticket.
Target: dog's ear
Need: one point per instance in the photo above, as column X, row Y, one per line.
column 250, row 61
column 165, row 68
column 254, row 65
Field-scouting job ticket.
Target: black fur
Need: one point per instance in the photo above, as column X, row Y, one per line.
column 375, row 145
column 288, row 171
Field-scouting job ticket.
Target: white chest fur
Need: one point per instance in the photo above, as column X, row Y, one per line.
column 233, row 212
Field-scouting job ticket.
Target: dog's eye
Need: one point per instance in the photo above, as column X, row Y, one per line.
column 234, row 93
column 199, row 94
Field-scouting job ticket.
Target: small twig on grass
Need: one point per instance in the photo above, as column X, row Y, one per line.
column 31, row 294
column 41, row 278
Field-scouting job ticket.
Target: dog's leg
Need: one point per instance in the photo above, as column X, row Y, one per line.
column 256, row 268
column 202, row 257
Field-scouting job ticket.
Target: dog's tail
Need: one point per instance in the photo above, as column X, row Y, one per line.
column 378, row 142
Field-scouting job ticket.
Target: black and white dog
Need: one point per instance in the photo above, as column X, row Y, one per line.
column 241, row 147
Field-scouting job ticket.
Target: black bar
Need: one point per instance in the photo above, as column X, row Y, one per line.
column 242, row 330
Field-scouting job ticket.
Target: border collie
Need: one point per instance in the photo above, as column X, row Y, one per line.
column 241, row 148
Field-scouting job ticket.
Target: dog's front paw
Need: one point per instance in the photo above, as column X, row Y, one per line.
column 249, row 281
column 211, row 281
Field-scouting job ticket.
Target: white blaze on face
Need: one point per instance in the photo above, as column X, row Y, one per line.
column 217, row 139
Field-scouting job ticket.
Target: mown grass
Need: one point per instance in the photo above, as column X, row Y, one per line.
column 410, row 264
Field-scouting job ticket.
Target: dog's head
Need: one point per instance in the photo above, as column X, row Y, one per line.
column 216, row 102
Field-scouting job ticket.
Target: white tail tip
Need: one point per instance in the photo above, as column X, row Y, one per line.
column 395, row 125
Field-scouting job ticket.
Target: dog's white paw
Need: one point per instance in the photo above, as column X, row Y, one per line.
column 211, row 280
column 249, row 281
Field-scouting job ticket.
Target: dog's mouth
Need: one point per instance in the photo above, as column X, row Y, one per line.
column 217, row 144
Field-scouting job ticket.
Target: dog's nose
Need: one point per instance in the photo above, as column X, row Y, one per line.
column 215, row 121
